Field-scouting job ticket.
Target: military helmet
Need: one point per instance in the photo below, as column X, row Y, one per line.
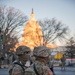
column 22, row 49
column 41, row 51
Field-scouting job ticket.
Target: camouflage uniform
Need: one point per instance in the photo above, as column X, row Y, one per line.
column 41, row 67
column 16, row 68
column 63, row 59
column 30, row 71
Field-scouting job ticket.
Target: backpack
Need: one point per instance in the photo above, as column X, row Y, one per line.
column 31, row 70
column 35, row 69
column 14, row 63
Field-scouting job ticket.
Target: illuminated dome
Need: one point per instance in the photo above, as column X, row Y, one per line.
column 32, row 35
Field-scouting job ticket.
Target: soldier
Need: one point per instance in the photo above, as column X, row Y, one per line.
column 51, row 65
column 63, row 61
column 18, row 67
column 42, row 58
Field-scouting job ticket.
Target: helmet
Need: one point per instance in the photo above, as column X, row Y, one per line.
column 41, row 51
column 22, row 49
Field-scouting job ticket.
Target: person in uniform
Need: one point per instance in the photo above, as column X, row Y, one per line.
column 41, row 54
column 18, row 66
column 63, row 61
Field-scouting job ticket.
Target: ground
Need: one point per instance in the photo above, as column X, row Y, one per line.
column 57, row 70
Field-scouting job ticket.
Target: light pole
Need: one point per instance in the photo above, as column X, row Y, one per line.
column 1, row 40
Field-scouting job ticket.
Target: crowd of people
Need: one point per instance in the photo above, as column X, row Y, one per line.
column 6, row 59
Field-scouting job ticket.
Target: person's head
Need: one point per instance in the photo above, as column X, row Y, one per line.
column 42, row 52
column 63, row 55
column 23, row 53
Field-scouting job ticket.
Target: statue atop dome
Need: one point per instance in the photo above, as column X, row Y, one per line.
column 32, row 15
column 32, row 11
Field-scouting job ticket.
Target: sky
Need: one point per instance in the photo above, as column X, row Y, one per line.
column 62, row 10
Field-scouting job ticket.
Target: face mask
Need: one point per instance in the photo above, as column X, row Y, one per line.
column 27, row 64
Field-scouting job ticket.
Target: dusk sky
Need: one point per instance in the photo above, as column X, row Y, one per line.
column 62, row 10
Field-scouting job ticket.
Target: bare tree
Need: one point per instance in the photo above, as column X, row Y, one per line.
column 70, row 52
column 11, row 21
column 52, row 29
